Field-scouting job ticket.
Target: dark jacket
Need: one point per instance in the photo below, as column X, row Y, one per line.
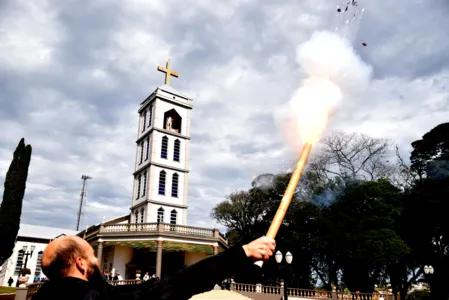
column 198, row 278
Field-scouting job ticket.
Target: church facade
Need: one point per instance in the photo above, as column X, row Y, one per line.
column 154, row 237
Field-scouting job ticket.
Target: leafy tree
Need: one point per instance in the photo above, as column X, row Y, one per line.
column 248, row 214
column 366, row 220
column 430, row 155
column 426, row 208
column 14, row 191
column 426, row 211
column 349, row 223
column 402, row 273
column 300, row 239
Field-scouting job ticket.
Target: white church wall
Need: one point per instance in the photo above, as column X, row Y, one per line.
column 137, row 157
column 185, row 189
column 138, row 154
column 139, row 128
column 154, row 192
column 185, row 149
column 148, row 125
column 177, row 98
column 136, row 184
column 169, row 161
column 144, row 186
column 149, row 218
column 122, row 256
column 143, row 154
column 167, row 211
column 163, row 106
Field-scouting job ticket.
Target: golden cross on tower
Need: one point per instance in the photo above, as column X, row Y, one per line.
column 168, row 72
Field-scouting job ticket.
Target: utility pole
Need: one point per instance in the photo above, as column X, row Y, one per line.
column 83, row 199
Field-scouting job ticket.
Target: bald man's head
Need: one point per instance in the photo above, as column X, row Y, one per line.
column 68, row 256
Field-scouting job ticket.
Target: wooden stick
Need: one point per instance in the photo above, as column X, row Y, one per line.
column 287, row 198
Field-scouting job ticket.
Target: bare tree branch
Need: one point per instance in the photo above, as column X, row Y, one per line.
column 353, row 156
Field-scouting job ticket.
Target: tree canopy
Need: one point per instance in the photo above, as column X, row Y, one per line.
column 361, row 215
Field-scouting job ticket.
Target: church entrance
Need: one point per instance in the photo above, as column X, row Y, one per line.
column 145, row 261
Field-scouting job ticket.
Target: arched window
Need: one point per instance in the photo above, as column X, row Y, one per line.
column 144, row 122
column 150, row 110
column 148, row 149
column 141, row 152
column 176, row 150
column 139, row 183
column 164, row 147
column 144, row 190
column 137, row 216
column 174, row 185
column 19, row 262
column 142, row 212
column 162, row 176
column 173, row 216
column 160, row 215
column 39, row 263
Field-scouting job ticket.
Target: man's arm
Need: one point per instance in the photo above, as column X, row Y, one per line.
column 202, row 276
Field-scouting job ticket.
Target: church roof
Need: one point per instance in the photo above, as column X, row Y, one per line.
column 171, row 90
column 42, row 232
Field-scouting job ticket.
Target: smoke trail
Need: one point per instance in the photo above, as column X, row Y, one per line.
column 332, row 72
column 264, row 182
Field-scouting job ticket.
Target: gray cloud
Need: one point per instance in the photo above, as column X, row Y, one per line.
column 73, row 73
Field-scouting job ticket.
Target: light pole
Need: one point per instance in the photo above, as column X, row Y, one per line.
column 288, row 259
column 428, row 270
column 27, row 253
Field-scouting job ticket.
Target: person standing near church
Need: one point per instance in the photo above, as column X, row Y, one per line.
column 10, row 281
column 71, row 265
column 146, row 277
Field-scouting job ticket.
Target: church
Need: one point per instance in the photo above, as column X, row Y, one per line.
column 154, row 237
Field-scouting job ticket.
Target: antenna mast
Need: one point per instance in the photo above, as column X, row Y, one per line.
column 83, row 199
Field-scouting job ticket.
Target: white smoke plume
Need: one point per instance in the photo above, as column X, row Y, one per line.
column 332, row 71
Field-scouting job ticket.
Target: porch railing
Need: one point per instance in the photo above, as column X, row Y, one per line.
column 124, row 282
column 32, row 289
column 160, row 228
column 303, row 293
column 257, row 288
column 359, row 296
column 247, row 289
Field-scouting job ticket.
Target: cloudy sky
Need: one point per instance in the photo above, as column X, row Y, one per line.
column 73, row 73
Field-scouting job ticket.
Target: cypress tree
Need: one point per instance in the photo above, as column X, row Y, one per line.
column 13, row 193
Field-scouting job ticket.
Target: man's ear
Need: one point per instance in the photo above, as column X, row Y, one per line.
column 81, row 264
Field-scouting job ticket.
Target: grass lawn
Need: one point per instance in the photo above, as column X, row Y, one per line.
column 7, row 290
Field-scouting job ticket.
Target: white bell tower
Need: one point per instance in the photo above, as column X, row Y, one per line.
column 162, row 156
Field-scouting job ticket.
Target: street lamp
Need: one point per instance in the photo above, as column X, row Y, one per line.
column 27, row 253
column 428, row 270
column 288, row 259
